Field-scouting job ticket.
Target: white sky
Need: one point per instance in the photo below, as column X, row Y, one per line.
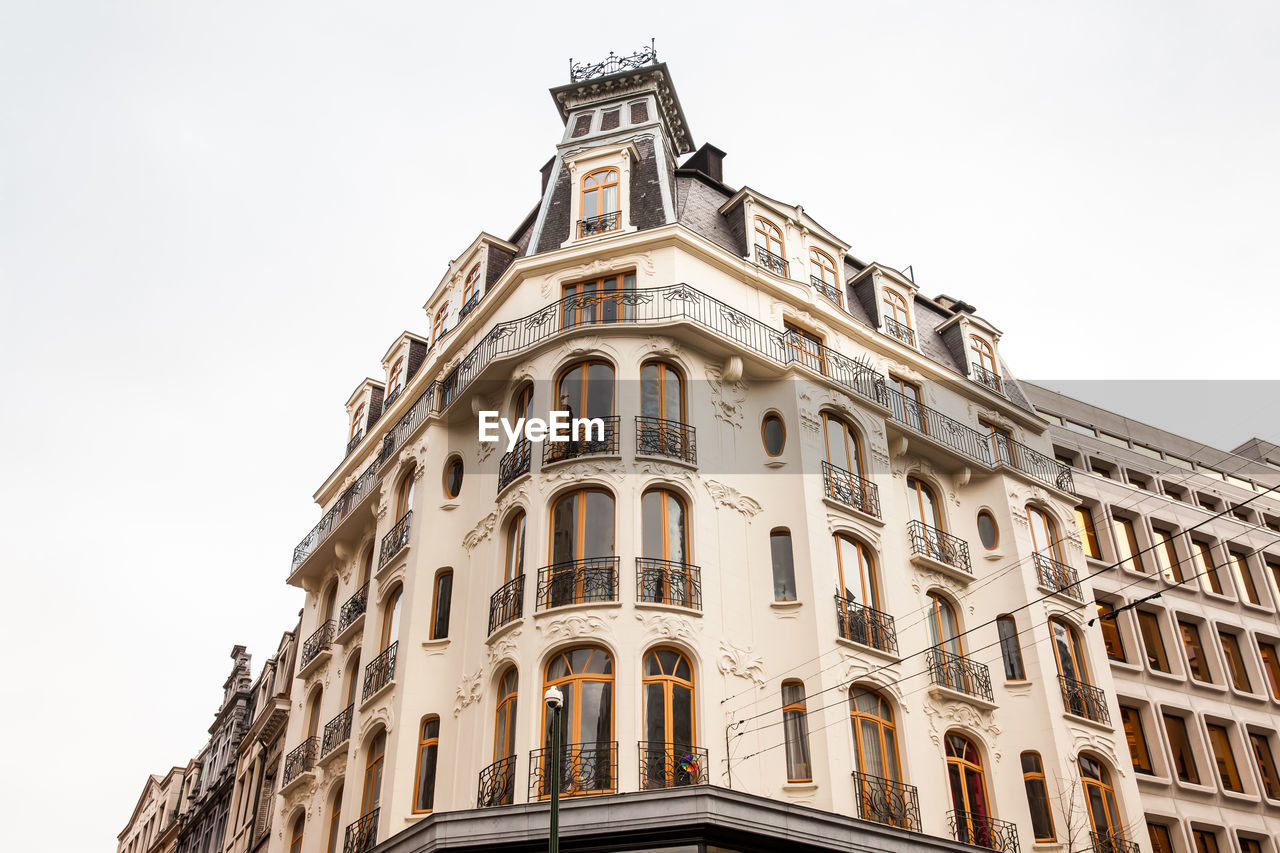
column 215, row 217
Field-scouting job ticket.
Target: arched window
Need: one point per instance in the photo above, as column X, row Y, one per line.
column 843, row 471
column 471, row 289
column 926, row 528
column 585, row 677
column 1079, row 697
column 947, row 665
column 391, row 619
column 664, row 567
column 968, row 792
column 795, row 727
column 582, row 565
column 313, row 714
column 875, row 741
column 441, row 604
column 1100, row 797
column 425, row 776
column 353, row 677
column 524, row 403
column 769, row 238
column 357, row 423
column 661, row 429
column 504, row 727
column 295, row 835
column 823, row 269
column 394, row 377
column 513, row 566
column 585, row 390
column 437, row 325
column 923, row 504
column 669, row 727
column 855, row 572
column 334, row 843
column 366, row 566
column 944, row 629
column 897, row 319
column 330, row 608
column 1037, row 796
column 1044, row 534
column 844, row 450
column 371, row 794
column 599, row 207
column 983, row 358
column 404, row 495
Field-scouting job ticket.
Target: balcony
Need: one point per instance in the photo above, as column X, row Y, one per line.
column 825, row 289
column 336, row 732
column 392, row 396
column 468, row 306
column 601, row 224
column 396, row 540
column 983, row 831
column 866, row 626
column 1112, row 842
column 497, row 785
column 959, row 673
column 379, row 673
column 1033, row 463
column 301, row 760
column 355, row 441
column 988, row 379
column 352, row 613
column 507, row 604
column 774, row 264
column 578, row 582
column 514, row 464
column 585, row 769
column 560, row 451
column 1057, row 577
column 887, row 802
column 668, row 582
column 670, row 439
column 362, row 836
column 939, row 547
column 1084, row 700
column 319, row 642
column 671, row 765
column 848, row 488
column 900, row 331
column 919, row 418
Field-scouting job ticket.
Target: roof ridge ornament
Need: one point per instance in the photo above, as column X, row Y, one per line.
column 613, row 64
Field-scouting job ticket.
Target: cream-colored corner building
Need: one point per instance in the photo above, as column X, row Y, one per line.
column 1193, row 650
column 816, row 587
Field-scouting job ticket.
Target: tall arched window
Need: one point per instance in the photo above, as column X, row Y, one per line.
column 897, row 319
column 585, row 390
column 357, row 423
column 353, row 677
column 855, row 572
column 661, row 429
column 424, row 787
column 665, row 573
column 599, row 206
column 1079, row 697
column 926, row 528
column 946, row 663
column 875, row 741
column 1037, row 796
column 669, row 727
column 404, row 494
column 842, row 475
column 795, row 727
column 330, row 608
column 585, row 677
column 471, row 289
column 334, row 843
column 784, row 567
column 1044, row 533
column 437, row 325
column 843, row 448
column 513, row 566
column 983, row 358
column 968, row 792
column 391, row 619
column 1100, row 797
column 582, row 564
column 769, row 238
column 295, row 835
column 371, row 794
column 504, row 726
column 823, row 269
column 366, row 566
column 313, row 714
column 395, row 377
column 523, row 407
column 944, row 628
column 441, row 605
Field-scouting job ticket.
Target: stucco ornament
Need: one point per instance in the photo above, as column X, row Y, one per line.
column 659, row 345
column 507, row 646
column 667, row 626
column 379, row 716
column 576, row 472
column 482, row 531
column 642, row 262
column 809, row 421
column 484, row 449
column 468, row 691
column 741, row 663
column 733, row 499
column 728, row 395
column 666, row 471
column 946, row 715
column 573, row 625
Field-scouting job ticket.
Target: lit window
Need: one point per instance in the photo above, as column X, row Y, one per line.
column 1271, row 665
column 1266, row 764
column 1010, row 651
column 1088, row 534
column 1196, row 661
column 1110, row 631
column 774, row 435
column 599, row 209
column 1206, row 840
column 1127, row 544
column 1184, row 760
column 425, row 776
column 1235, row 662
column 1220, row 740
column 440, row 606
column 1137, row 739
column 1037, row 796
column 1153, row 641
column 795, row 727
column 784, row 570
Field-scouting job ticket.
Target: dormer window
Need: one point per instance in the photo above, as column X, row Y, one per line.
column 770, row 251
column 470, row 291
column 897, row 320
column 822, row 272
column 394, row 380
column 357, row 428
column 599, row 210
column 437, row 325
column 983, row 364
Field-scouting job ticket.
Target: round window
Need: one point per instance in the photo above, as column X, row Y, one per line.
column 774, row 435
column 453, row 478
column 987, row 530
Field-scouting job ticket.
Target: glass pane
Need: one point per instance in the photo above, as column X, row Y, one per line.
column 599, row 391
column 651, row 525
column 569, row 394
column 649, row 391
column 869, row 748
column 784, row 574
column 427, row 778
column 444, row 595
column 564, row 529
column 797, row 734
column 655, row 713
column 598, row 540
column 682, row 715
column 851, row 564
column 674, row 402
column 675, row 529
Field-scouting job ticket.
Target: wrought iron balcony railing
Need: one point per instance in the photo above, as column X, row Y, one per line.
column 514, row 464
column 590, row 442
column 337, row 731
column 613, row 64
column 380, row 672
column 901, row 331
column 395, row 540
column 825, row 289
column 983, row 831
column 585, row 768
column 355, row 441
column 301, row 759
column 318, row 642
column 671, row 765
column 931, row 542
column 1056, row 576
column 1033, row 463
column 988, row 379
column 1112, row 842
column 1084, row 700
column 866, row 625
column 602, row 224
column 672, row 439
column 362, row 835
column 771, row 262
column 957, row 672
column 886, row 801
column 392, row 396
column 353, row 608
column 497, row 785
column 848, row 488
column 578, row 582
column 918, row 417
column 468, row 306
column 668, row 582
column 507, row 604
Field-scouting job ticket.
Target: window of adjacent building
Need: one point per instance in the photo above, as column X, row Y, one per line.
column 1167, row 555
column 585, row 677
column 1202, row 560
column 805, row 347
column 441, row 603
column 335, row 822
column 668, row 705
column 661, row 393
column 875, row 737
column 1160, row 840
column 357, row 423
column 600, row 300
column 988, row 532
column 599, row 203
column 371, row 794
column 822, row 268
column 1184, row 760
column 1010, row 651
column 784, row 569
column 795, row 727
column 1206, row 841
column 1220, row 740
column 582, row 524
column 1235, row 662
column 1196, row 661
column 1088, row 534
column 1249, row 845
column 897, row 317
column 504, row 718
column 1266, row 762
column 437, row 324
column 471, row 289
column 1270, row 665
column 968, row 790
column 295, row 835
column 773, row 434
column 1100, row 799
column 1037, row 796
column 1244, row 576
column 425, row 776
column 1137, row 739
column 1127, row 544
column 513, row 566
column 982, row 355
column 664, row 571
column 1111, row 631
column 769, row 238
column 453, row 478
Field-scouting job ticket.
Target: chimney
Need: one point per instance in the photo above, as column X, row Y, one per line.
column 709, row 160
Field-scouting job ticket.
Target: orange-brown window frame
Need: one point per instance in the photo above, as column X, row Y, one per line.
column 471, row 287
column 443, row 576
column 985, row 355
column 896, row 304
column 1033, row 778
column 504, row 715
column 771, row 235
column 428, row 738
column 782, row 427
column 1197, row 661
column 1127, row 548
column 825, row 266
column 611, row 179
column 1111, row 631
column 1235, row 661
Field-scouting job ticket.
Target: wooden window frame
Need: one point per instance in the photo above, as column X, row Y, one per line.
column 504, row 714
column 471, row 286
column 1088, row 532
column 579, row 407
column 1240, row 564
column 1037, row 777
column 375, row 762
column 404, row 494
column 357, row 422
column 797, row 709
column 885, row 726
column 1109, row 622
column 779, row 532
column 1050, row 549
column 915, row 490
column 815, row 358
column 938, row 603
column 1236, row 668
column 782, row 425
column 898, row 309
column 1149, row 628
column 984, row 353
column 1107, row 792
column 1182, row 732
column 390, row 616
column 664, row 367
column 437, row 324
column 1010, row 648
column 824, row 264
column 594, row 296
column 994, row 527
column 1075, row 648
column 573, row 725
column 579, row 521
column 517, row 530
column 669, row 684
column 335, row 820
column 296, row 833
column 1167, row 555
column 1126, row 538
column 770, row 234
column 426, row 742
column 1193, row 647
column 441, row 576
column 965, row 766
column 612, row 178
column 452, row 464
column 1206, row 568
column 393, row 375
column 664, row 512
column 870, row 584
column 1264, row 760
column 1270, row 666
column 852, row 442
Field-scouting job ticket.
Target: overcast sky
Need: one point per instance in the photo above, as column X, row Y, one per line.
column 215, row 217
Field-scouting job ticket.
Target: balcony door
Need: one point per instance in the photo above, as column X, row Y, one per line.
column 968, row 792
column 371, row 794
column 600, row 301
column 668, row 757
column 1100, row 796
column 922, row 503
column 585, row 677
column 664, row 565
column 881, row 797
column 581, row 539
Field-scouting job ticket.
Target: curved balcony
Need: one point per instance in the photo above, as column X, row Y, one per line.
column 497, row 784
column 396, row 540
column 594, row 579
column 939, row 546
column 934, row 425
column 773, row 263
column 362, row 835
column 585, row 769
column 507, row 604
column 589, row 442
column 848, row 488
column 671, row 765
column 318, row 642
column 899, row 331
column 668, row 582
column 353, row 608
column 1057, row 577
column 959, row 673
column 514, row 464
column 301, row 760
column 379, row 672
column 886, row 801
column 1033, row 463
column 337, row 731
column 982, row 830
column 1084, row 700
column 670, row 439
column 866, row 626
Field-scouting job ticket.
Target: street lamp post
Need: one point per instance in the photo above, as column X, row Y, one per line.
column 555, row 699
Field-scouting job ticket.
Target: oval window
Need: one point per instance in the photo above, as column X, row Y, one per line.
column 453, row 478
column 774, row 435
column 987, row 530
